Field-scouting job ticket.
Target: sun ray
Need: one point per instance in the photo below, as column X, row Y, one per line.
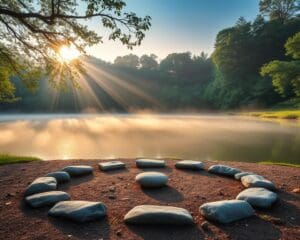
column 105, row 79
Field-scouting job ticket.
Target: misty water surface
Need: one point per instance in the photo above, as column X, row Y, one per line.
column 130, row 136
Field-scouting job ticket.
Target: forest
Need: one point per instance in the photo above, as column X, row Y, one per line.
column 255, row 65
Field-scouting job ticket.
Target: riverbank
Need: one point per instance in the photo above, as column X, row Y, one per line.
column 120, row 193
column 277, row 114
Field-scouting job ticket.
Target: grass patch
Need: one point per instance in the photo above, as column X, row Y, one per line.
column 281, row 114
column 280, row 163
column 11, row 159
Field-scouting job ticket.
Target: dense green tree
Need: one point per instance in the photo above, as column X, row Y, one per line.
column 149, row 61
column 32, row 33
column 279, row 9
column 240, row 51
column 129, row 61
column 286, row 74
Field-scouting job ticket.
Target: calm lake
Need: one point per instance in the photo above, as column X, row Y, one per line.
column 199, row 137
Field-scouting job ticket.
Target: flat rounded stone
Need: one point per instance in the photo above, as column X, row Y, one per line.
column 78, row 170
column 41, row 184
column 258, row 197
column 250, row 181
column 151, row 214
column 46, row 198
column 150, row 163
column 60, row 176
column 151, row 179
column 223, row 170
column 112, row 165
column 79, row 211
column 226, row 211
column 189, row 164
column 238, row 176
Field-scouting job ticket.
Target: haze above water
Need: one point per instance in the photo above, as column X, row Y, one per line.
column 129, row 136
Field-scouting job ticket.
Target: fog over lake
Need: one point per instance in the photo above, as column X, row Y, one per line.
column 129, row 136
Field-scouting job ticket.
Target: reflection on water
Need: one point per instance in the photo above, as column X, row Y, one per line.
column 177, row 136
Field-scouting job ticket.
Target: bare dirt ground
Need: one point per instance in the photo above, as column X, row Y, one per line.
column 187, row 189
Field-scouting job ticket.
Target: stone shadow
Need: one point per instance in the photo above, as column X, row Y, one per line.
column 165, row 194
column 74, row 182
column 252, row 228
column 163, row 169
column 116, row 171
column 167, row 232
column 198, row 172
column 89, row 230
column 31, row 212
column 283, row 213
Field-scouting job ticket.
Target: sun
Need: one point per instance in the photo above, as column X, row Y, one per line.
column 68, row 53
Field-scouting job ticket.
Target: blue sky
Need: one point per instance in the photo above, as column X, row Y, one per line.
column 178, row 26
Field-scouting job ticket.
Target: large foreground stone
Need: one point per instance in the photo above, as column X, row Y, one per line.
column 151, row 179
column 46, row 198
column 112, row 165
column 258, row 197
column 80, row 211
column 226, row 211
column 150, row 214
column 223, row 170
column 78, row 170
column 189, row 164
column 257, row 181
column 41, row 184
column 150, row 163
column 60, row 176
column 238, row 176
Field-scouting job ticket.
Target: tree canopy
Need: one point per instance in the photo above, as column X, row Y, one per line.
column 286, row 74
column 279, row 9
column 32, row 33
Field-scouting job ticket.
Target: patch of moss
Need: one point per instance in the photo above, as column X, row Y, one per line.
column 280, row 114
column 281, row 164
column 11, row 159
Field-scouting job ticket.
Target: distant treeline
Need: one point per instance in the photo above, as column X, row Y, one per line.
column 229, row 79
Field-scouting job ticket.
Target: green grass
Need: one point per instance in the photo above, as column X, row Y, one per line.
column 11, row 159
column 280, row 163
column 280, row 114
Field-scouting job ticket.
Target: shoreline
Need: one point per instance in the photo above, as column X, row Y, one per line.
column 6, row 159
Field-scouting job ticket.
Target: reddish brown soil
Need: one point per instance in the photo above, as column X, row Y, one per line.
column 186, row 189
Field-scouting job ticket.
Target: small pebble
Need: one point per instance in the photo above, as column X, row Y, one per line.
column 119, row 233
column 10, row 195
column 205, row 225
column 111, row 196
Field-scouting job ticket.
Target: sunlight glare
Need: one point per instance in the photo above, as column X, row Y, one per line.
column 68, row 53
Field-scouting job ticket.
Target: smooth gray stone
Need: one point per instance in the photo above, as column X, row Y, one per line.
column 78, row 170
column 151, row 214
column 150, row 163
column 60, row 176
column 151, row 179
column 112, row 165
column 238, row 176
column 250, row 181
column 41, row 184
column 189, row 164
column 79, row 211
column 226, row 211
column 46, row 198
column 223, row 170
column 258, row 197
